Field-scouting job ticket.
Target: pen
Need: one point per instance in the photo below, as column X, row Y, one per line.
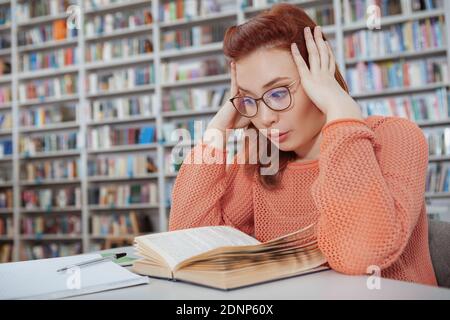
column 89, row 262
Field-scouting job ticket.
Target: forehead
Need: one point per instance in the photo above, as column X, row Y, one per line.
column 263, row 65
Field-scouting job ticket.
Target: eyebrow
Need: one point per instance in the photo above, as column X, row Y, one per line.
column 267, row 85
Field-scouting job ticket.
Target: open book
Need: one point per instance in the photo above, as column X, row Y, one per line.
column 226, row 258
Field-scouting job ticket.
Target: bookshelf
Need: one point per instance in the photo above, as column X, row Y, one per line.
column 83, row 86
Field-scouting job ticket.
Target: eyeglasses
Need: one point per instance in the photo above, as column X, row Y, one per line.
column 277, row 99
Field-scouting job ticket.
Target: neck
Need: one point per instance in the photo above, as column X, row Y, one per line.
column 311, row 150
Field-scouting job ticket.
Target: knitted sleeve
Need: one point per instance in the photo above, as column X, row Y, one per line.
column 369, row 192
column 208, row 192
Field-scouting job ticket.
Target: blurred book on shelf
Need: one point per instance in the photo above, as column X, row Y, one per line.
column 38, row 8
column 115, row 224
column 6, row 252
column 170, row 11
column 121, row 79
column 408, row 37
column 103, row 24
column 118, row 48
column 48, row 142
column 6, row 199
column 48, row 249
column 379, row 76
column 5, row 147
column 47, row 199
column 105, row 137
column 119, row 195
column 55, row 88
column 5, row 120
column 51, row 59
column 124, row 166
column 195, row 99
column 357, row 10
column 48, row 115
column 6, row 227
column 49, row 170
column 416, row 107
column 38, row 226
column 42, row 34
column 122, row 108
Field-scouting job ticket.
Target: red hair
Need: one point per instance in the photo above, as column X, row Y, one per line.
column 276, row 28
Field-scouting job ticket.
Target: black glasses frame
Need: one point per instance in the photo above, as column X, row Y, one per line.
column 262, row 98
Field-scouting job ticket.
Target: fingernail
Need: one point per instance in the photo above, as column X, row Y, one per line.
column 295, row 47
column 319, row 28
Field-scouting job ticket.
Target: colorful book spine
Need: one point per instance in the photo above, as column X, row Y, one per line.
column 5, row 147
column 195, row 98
column 115, row 166
column 375, row 77
column 356, row 10
column 194, row 36
column 418, row 107
column 120, row 108
column 48, row 88
column 105, row 137
column 110, row 22
column 49, row 60
column 406, row 37
column 121, row 79
column 49, row 250
column 5, row 95
column 47, row 115
column 48, row 199
column 193, row 69
column 36, row 171
column 6, row 199
column 49, row 142
column 194, row 128
column 421, row 5
column 189, row 9
column 117, row 49
column 5, row 121
column 438, row 177
column 120, row 224
column 5, row 15
column 57, row 30
column 123, row 194
column 69, row 224
column 39, row 8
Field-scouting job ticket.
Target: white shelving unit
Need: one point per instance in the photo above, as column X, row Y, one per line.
column 83, row 124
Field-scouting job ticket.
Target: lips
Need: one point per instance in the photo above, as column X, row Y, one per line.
column 279, row 135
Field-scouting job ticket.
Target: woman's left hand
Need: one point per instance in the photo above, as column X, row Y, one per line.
column 319, row 82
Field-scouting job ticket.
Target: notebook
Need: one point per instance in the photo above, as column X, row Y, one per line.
column 38, row 279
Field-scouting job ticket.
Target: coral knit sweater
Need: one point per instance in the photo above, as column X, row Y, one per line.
column 366, row 192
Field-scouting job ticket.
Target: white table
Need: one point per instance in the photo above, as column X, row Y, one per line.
column 322, row 285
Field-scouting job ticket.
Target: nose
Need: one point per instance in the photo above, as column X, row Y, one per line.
column 268, row 116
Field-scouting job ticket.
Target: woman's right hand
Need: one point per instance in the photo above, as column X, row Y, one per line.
column 228, row 117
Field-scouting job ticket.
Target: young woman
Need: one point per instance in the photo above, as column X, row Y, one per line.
column 362, row 180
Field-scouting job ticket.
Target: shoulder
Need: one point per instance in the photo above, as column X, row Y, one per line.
column 398, row 135
column 393, row 126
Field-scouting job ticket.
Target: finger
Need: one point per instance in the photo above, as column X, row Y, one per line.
column 322, row 48
column 299, row 61
column 313, row 53
column 332, row 64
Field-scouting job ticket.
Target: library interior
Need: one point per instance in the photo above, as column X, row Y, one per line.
column 91, row 91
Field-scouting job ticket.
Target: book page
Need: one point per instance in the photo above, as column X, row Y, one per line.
column 177, row 246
